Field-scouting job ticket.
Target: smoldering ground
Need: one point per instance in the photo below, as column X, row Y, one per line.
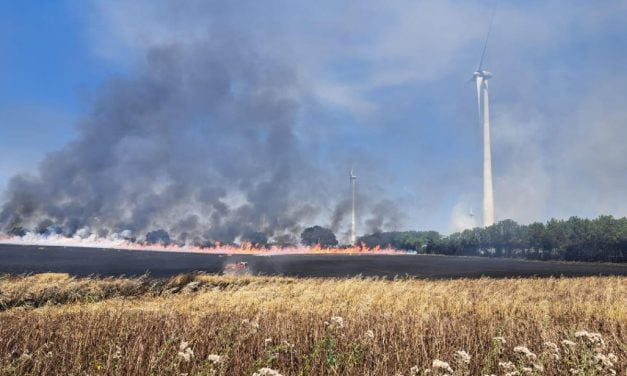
column 199, row 141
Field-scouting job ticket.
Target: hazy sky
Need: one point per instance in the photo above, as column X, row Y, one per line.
column 384, row 88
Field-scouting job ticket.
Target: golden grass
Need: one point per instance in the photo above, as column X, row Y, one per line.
column 47, row 277
column 136, row 326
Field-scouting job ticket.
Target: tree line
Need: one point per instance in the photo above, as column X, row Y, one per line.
column 574, row 239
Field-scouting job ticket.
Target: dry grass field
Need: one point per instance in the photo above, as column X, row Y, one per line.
column 52, row 324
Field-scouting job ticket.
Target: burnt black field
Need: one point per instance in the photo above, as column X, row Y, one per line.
column 78, row 261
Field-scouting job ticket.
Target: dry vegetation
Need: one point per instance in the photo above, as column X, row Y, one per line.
column 243, row 325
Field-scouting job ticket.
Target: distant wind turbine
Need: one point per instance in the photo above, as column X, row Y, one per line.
column 481, row 77
column 353, row 181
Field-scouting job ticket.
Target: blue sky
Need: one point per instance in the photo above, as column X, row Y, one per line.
column 47, row 71
column 384, row 88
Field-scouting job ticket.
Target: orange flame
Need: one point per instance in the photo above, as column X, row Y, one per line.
column 244, row 248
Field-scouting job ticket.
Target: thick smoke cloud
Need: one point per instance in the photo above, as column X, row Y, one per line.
column 200, row 142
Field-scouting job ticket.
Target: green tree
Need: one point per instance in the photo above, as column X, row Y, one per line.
column 318, row 235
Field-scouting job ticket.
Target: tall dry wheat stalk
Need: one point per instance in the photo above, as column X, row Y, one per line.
column 244, row 325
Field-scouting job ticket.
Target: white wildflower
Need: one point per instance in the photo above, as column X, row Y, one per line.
column 266, row 372
column 414, row 371
column 462, row 357
column 438, row 364
column 267, row 341
column 336, row 322
column 594, row 339
column 183, row 345
column 118, row 353
column 522, row 350
column 602, row 361
column 215, row 359
column 507, row 366
column 500, row 340
column 185, row 351
column 568, row 343
column 369, row 333
column 187, row 355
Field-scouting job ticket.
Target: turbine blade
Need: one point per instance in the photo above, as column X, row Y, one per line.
column 485, row 45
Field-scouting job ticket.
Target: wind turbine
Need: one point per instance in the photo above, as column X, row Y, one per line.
column 353, row 181
column 481, row 77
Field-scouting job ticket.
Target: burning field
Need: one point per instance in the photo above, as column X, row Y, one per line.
column 217, row 248
column 197, row 324
column 296, row 262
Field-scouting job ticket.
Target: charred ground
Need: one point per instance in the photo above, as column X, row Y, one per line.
column 19, row 259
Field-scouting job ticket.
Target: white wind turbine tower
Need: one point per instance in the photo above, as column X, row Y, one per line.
column 353, row 181
column 481, row 79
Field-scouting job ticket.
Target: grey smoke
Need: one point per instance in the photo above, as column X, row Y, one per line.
column 340, row 214
column 199, row 143
column 201, row 140
column 378, row 214
column 384, row 215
